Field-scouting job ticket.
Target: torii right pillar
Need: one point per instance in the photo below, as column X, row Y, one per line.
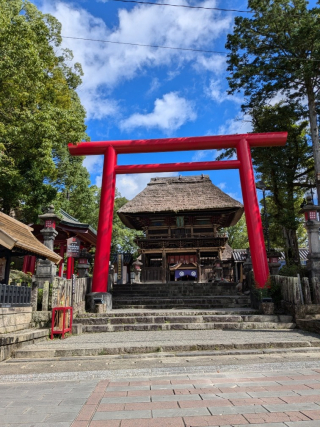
column 252, row 213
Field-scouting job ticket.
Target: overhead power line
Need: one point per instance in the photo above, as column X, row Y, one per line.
column 146, row 45
column 184, row 6
column 178, row 48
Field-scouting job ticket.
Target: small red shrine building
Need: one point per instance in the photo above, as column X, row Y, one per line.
column 67, row 227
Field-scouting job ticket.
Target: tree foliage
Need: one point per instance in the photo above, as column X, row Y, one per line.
column 277, row 51
column 285, row 171
column 122, row 236
column 238, row 235
column 40, row 112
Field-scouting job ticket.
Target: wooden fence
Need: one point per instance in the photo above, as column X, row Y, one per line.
column 63, row 293
column 298, row 291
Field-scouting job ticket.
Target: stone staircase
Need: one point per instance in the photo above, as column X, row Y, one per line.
column 178, row 295
column 145, row 320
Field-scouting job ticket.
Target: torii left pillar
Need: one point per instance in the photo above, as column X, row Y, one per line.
column 99, row 294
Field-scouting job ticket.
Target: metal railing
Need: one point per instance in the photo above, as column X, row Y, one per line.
column 14, row 296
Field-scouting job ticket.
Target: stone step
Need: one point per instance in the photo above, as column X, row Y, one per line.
column 152, row 306
column 11, row 341
column 179, row 312
column 216, row 347
column 186, row 326
column 178, row 319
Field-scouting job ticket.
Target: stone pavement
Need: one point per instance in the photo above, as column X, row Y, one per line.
column 286, row 398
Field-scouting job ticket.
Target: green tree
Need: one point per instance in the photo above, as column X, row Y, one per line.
column 238, row 235
column 286, row 173
column 40, row 111
column 277, row 50
column 122, row 236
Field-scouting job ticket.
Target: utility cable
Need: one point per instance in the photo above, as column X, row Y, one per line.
column 184, row 6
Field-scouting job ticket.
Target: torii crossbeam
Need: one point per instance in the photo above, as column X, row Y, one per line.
column 241, row 143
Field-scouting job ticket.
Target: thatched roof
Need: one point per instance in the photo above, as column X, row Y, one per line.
column 15, row 234
column 181, row 194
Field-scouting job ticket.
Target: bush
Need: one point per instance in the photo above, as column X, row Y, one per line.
column 293, row 270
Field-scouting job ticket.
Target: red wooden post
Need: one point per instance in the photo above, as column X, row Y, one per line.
column 25, row 263
column 61, row 265
column 69, row 267
column 252, row 212
column 32, row 265
column 102, row 257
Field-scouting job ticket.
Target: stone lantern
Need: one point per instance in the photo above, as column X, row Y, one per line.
column 312, row 224
column 47, row 270
column 273, row 261
column 83, row 263
column 137, row 270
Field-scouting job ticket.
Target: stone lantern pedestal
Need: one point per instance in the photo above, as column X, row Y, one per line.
column 273, row 262
column 312, row 224
column 83, row 263
column 137, row 270
column 47, row 270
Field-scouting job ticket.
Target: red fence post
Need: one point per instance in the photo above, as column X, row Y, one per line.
column 252, row 212
column 102, row 257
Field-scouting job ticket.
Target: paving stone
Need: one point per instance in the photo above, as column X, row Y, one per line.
column 299, row 424
column 128, row 399
column 170, row 386
column 61, row 417
column 184, row 412
column 252, row 409
column 292, row 407
column 121, row 415
column 127, row 388
column 175, row 398
column 269, row 425
column 271, row 393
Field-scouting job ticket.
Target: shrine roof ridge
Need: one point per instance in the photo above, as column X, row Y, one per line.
column 177, row 194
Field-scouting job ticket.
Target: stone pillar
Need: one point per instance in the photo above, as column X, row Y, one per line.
column 312, row 225
column 47, row 270
column 273, row 262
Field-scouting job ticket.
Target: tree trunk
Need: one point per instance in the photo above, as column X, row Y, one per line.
column 313, row 119
column 291, row 246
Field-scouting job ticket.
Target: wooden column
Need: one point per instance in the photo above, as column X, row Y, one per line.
column 199, row 266
column 164, row 266
column 7, row 269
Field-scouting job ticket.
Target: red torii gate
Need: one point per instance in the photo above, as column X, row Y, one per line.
column 241, row 143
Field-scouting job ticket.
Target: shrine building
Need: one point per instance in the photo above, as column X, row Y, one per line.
column 182, row 219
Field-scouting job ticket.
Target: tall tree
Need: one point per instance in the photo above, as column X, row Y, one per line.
column 40, row 111
column 285, row 171
column 277, row 50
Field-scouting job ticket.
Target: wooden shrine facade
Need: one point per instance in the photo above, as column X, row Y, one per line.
column 181, row 218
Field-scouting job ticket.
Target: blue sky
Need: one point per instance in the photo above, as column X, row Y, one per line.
column 133, row 92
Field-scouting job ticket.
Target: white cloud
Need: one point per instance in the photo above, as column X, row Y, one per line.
column 222, row 185
column 236, row 197
column 106, row 64
column 218, row 94
column 236, row 126
column 169, row 113
column 130, row 185
column 214, row 63
column 202, row 154
column 93, row 163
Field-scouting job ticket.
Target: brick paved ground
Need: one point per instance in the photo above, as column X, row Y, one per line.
column 273, row 399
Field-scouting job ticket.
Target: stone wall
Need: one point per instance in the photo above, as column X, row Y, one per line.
column 14, row 319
